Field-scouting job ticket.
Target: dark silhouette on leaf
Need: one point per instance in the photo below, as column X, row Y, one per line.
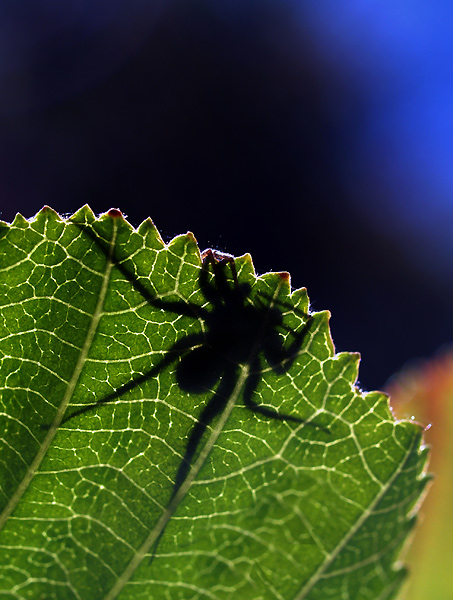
column 237, row 331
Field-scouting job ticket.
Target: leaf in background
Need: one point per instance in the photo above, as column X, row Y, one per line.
column 426, row 393
column 175, row 485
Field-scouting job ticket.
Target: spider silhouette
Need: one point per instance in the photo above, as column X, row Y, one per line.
column 237, row 331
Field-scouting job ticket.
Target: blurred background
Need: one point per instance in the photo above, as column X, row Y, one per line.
column 316, row 135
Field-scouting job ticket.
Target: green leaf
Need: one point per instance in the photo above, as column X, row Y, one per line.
column 134, row 459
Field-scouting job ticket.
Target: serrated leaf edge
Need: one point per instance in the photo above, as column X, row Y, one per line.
column 360, row 521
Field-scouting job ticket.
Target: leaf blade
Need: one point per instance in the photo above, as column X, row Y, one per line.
column 106, row 478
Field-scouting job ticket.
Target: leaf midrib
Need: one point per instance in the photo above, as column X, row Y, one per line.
column 171, row 508
column 42, row 451
column 173, row 505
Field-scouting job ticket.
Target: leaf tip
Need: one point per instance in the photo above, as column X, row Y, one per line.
column 21, row 221
column 245, row 266
column 83, row 215
column 46, row 209
column 48, row 213
column 284, row 276
column 115, row 213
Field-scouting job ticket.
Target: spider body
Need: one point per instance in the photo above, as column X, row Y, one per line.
column 236, row 331
column 232, row 328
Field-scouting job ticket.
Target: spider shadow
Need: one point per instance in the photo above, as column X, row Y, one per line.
column 238, row 331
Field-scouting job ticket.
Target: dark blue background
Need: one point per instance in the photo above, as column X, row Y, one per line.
column 315, row 135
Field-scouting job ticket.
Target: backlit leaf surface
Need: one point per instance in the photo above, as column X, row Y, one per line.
column 269, row 509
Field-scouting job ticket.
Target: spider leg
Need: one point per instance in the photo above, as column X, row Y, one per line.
column 250, row 388
column 276, row 305
column 103, row 245
column 178, row 307
column 213, row 293
column 171, row 355
column 281, row 357
column 186, row 309
column 213, row 409
column 218, row 260
column 222, row 291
